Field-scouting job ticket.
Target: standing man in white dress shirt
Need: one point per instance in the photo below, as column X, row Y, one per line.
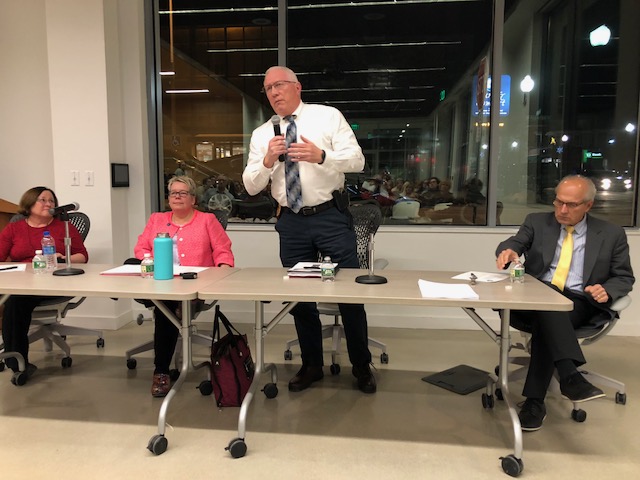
column 306, row 167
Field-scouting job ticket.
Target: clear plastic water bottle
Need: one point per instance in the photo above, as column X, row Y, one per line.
column 328, row 271
column 146, row 266
column 517, row 272
column 49, row 251
column 39, row 263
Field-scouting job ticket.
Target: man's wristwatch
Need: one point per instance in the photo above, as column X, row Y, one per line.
column 324, row 156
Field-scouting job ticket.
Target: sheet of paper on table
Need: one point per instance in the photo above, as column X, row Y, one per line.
column 483, row 277
column 446, row 290
column 13, row 267
column 133, row 270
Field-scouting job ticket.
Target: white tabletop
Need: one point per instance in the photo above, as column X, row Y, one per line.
column 273, row 284
column 92, row 284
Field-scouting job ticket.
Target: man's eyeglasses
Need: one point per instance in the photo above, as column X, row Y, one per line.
column 570, row 205
column 180, row 194
column 275, row 86
column 45, row 201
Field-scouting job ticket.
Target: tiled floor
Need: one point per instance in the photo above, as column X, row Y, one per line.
column 94, row 420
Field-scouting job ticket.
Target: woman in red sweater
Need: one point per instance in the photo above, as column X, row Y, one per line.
column 18, row 243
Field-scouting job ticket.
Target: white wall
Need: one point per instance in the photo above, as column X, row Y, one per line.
column 72, row 96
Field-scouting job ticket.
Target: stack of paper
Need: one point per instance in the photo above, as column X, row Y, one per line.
column 307, row 270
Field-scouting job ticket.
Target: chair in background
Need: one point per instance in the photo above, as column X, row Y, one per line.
column 366, row 220
column 405, row 209
column 46, row 318
column 598, row 327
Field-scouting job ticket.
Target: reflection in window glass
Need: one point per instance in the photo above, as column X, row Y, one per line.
column 572, row 120
column 414, row 81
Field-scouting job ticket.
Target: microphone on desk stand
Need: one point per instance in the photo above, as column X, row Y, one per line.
column 371, row 278
column 64, row 216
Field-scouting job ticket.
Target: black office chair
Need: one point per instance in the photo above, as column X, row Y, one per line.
column 366, row 220
column 598, row 327
column 46, row 318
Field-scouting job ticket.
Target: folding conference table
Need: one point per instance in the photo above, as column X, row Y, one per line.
column 93, row 284
column 272, row 285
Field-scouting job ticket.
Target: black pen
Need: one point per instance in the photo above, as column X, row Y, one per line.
column 8, row 268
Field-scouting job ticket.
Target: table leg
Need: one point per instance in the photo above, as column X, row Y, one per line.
column 511, row 464
column 158, row 443
column 238, row 447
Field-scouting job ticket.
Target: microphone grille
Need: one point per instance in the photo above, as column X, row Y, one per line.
column 275, row 120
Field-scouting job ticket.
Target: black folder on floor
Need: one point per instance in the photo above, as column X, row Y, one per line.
column 462, row 379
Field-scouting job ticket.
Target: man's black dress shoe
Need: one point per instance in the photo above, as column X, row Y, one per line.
column 532, row 414
column 576, row 388
column 305, row 377
column 366, row 380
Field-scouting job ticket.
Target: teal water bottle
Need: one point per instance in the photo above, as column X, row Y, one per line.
column 163, row 257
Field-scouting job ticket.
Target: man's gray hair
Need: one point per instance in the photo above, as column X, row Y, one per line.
column 591, row 188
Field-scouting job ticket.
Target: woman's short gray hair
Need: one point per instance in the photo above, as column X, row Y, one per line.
column 188, row 181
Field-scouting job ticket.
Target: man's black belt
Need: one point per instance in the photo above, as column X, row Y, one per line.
column 306, row 211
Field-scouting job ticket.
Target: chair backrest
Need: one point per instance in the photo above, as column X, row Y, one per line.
column 405, row 209
column 366, row 220
column 222, row 216
column 81, row 222
column 78, row 219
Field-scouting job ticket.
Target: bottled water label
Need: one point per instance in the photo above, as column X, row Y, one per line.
column 39, row 265
column 49, row 250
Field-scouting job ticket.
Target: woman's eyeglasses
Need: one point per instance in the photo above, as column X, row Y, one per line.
column 44, row 201
column 180, row 194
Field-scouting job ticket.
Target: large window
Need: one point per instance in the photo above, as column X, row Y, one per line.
column 414, row 79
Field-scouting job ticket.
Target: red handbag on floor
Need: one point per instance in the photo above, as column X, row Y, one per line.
column 231, row 365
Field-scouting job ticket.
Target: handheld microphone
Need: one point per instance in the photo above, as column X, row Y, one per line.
column 276, row 131
column 71, row 207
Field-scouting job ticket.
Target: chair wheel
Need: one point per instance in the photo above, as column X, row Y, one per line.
column 579, row 415
column 487, row 401
column 205, row 387
column 511, row 465
column 384, row 358
column 132, row 363
column 270, row 390
column 621, row 398
column 499, row 395
column 335, row 369
column 1, row 366
column 237, row 448
column 19, row 378
column 158, row 444
column 140, row 319
column 100, row 343
column 288, row 355
column 66, row 362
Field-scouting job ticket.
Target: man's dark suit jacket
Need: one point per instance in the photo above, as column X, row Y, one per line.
column 606, row 256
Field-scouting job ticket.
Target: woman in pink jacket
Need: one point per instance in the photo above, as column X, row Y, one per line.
column 198, row 241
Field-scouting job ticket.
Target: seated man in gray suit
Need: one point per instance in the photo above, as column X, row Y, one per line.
column 585, row 259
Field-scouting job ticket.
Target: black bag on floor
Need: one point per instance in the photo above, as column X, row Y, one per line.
column 231, row 365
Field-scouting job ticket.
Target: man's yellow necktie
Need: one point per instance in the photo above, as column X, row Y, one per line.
column 564, row 262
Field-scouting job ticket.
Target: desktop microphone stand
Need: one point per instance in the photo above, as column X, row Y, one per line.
column 371, row 278
column 68, row 270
